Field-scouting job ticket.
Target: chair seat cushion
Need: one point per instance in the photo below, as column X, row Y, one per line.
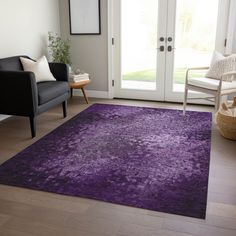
column 50, row 90
column 212, row 84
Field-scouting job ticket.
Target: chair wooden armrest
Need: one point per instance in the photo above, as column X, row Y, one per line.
column 225, row 75
column 194, row 68
column 229, row 73
column 198, row 68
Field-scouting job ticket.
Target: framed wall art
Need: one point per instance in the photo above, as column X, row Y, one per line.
column 85, row 18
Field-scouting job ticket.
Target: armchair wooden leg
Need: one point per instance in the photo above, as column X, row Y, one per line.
column 64, row 107
column 71, row 92
column 217, row 102
column 33, row 125
column 185, row 99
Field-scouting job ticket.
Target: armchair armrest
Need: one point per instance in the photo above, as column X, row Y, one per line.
column 60, row 71
column 18, row 93
column 192, row 69
column 229, row 73
column 198, row 68
column 228, row 76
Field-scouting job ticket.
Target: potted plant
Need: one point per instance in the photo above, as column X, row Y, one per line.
column 59, row 49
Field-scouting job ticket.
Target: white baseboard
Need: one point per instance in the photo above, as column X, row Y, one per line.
column 91, row 93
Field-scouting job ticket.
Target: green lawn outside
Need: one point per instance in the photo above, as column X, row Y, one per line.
column 150, row 75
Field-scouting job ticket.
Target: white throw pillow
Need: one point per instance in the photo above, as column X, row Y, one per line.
column 216, row 56
column 40, row 68
column 220, row 65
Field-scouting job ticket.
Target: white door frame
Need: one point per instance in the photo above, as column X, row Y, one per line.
column 110, row 48
column 226, row 22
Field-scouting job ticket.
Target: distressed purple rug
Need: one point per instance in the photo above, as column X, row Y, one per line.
column 150, row 158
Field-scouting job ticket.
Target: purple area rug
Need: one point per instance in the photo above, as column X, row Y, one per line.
column 150, row 158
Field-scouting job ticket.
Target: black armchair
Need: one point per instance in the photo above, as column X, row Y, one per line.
column 20, row 94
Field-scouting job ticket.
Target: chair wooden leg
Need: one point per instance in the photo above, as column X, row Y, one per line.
column 217, row 102
column 185, row 99
column 33, row 126
column 64, row 107
column 71, row 92
column 224, row 98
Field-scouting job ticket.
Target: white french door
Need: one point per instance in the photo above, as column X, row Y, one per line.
column 156, row 40
column 137, row 27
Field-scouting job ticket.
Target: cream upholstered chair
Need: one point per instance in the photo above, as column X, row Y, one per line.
column 214, row 87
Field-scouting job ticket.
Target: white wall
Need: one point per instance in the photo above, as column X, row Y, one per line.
column 24, row 25
column 88, row 52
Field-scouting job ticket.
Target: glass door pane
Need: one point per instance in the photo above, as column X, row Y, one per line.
column 138, row 44
column 195, row 37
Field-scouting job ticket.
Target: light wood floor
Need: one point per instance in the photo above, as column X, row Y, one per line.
column 26, row 212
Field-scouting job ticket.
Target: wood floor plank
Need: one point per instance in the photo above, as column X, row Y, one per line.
column 212, row 219
column 196, row 229
column 94, row 225
column 135, row 230
column 225, row 198
column 222, row 222
column 3, row 219
column 222, row 189
column 124, row 217
column 149, row 232
column 59, row 204
column 15, row 194
column 223, row 210
column 9, row 232
column 29, row 212
column 222, row 172
column 32, row 227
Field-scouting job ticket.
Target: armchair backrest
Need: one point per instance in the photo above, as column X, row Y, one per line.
column 11, row 63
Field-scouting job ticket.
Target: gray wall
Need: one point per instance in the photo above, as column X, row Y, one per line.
column 88, row 52
column 24, row 25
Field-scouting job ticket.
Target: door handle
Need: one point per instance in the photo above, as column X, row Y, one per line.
column 169, row 48
column 161, row 48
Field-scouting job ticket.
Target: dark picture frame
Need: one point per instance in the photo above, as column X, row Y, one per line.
column 85, row 17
